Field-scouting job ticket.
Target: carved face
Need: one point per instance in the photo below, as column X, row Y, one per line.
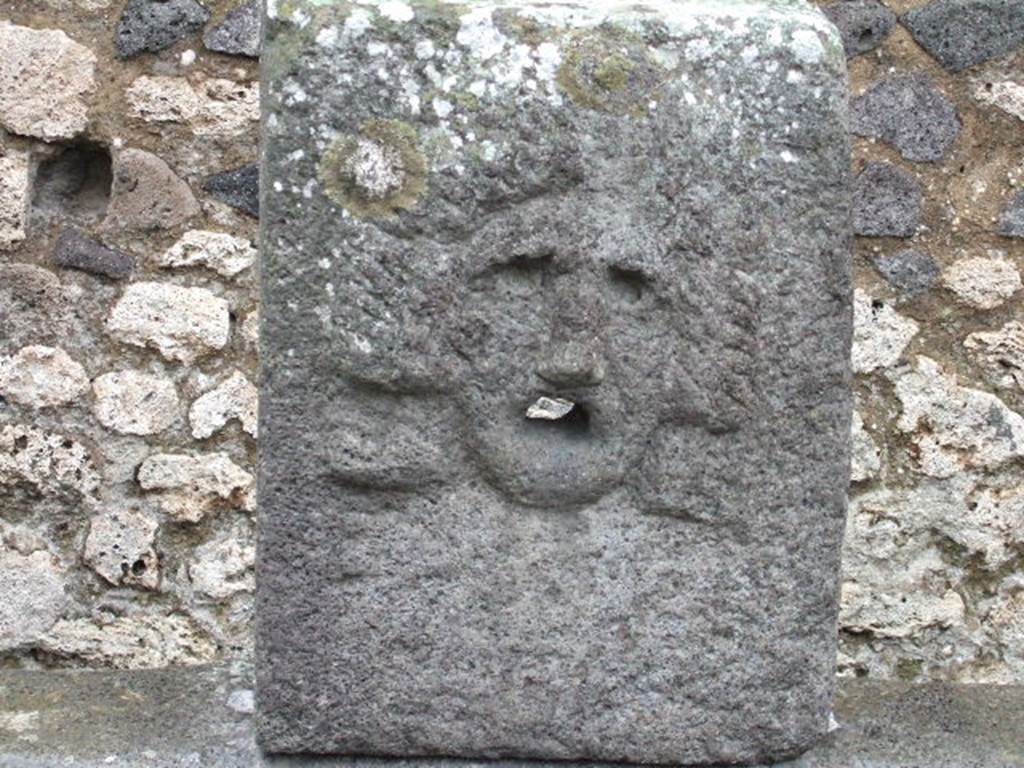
column 583, row 306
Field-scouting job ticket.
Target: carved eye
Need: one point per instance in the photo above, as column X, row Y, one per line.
column 631, row 285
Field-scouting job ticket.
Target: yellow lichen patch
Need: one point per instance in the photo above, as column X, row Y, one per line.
column 609, row 70
column 377, row 172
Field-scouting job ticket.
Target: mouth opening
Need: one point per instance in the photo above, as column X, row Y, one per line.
column 557, row 413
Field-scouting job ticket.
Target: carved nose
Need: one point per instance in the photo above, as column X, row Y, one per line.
column 572, row 364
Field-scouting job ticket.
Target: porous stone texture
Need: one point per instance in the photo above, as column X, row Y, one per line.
column 223, row 568
column 966, row 198
column 909, row 271
column 135, row 403
column 865, row 461
column 880, row 334
column 120, row 548
column 42, row 377
column 239, row 32
column 47, row 462
column 76, row 250
column 236, row 398
column 190, row 486
column 864, row 24
column 15, row 174
column 1000, row 354
column 33, row 596
column 238, row 187
column 129, row 642
column 887, row 202
column 147, row 194
column 183, row 324
column 209, row 107
column 152, row 25
column 983, row 282
column 962, row 33
column 1011, row 223
column 223, row 253
column 45, row 82
column 911, row 114
column 1007, row 95
column 492, row 204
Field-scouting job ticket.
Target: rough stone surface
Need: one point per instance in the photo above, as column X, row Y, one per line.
column 147, row 194
column 15, row 194
column 190, row 486
column 887, row 202
column 909, row 271
column 234, row 398
column 120, row 548
column 32, row 598
column 632, row 581
column 45, row 81
column 223, row 253
column 42, row 377
column 48, row 462
column 864, row 24
column 911, row 114
column 105, row 719
column 183, row 324
column 1011, row 223
column 1001, row 354
column 967, row 428
column 76, row 250
column 135, row 403
column 239, row 188
column 982, row 282
column 880, row 334
column 130, row 642
column 962, row 33
column 1007, row 95
column 153, row 25
column 214, row 107
column 223, row 568
column 865, row 461
column 239, row 32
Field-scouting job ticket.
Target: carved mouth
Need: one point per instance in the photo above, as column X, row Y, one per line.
column 559, row 413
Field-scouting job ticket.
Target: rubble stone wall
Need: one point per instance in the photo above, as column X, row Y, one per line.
column 129, row 315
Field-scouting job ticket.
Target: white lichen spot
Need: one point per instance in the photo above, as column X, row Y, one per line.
column 794, row 76
column 478, row 34
column 327, row 37
column 377, row 49
column 787, row 157
column 396, row 11
column 376, row 169
column 357, row 22
column 477, row 88
column 425, row 49
column 442, row 108
column 807, row 46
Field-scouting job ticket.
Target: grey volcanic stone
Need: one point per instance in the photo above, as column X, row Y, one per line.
column 641, row 209
column 239, row 33
column 908, row 112
column 887, row 202
column 1011, row 223
column 864, row 24
column 153, row 25
column 239, row 188
column 962, row 33
column 912, row 272
column 76, row 250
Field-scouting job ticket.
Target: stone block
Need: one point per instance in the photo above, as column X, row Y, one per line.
column 639, row 212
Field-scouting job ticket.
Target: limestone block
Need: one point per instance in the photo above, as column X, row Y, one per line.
column 135, row 403
column 42, row 377
column 983, row 282
column 225, row 254
column 32, row 599
column 45, row 81
column 639, row 211
column 130, row 642
column 190, row 486
column 49, row 462
column 120, row 548
column 147, row 194
column 15, row 195
column 182, row 324
column 234, row 398
column 223, row 567
column 880, row 333
column 210, row 107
